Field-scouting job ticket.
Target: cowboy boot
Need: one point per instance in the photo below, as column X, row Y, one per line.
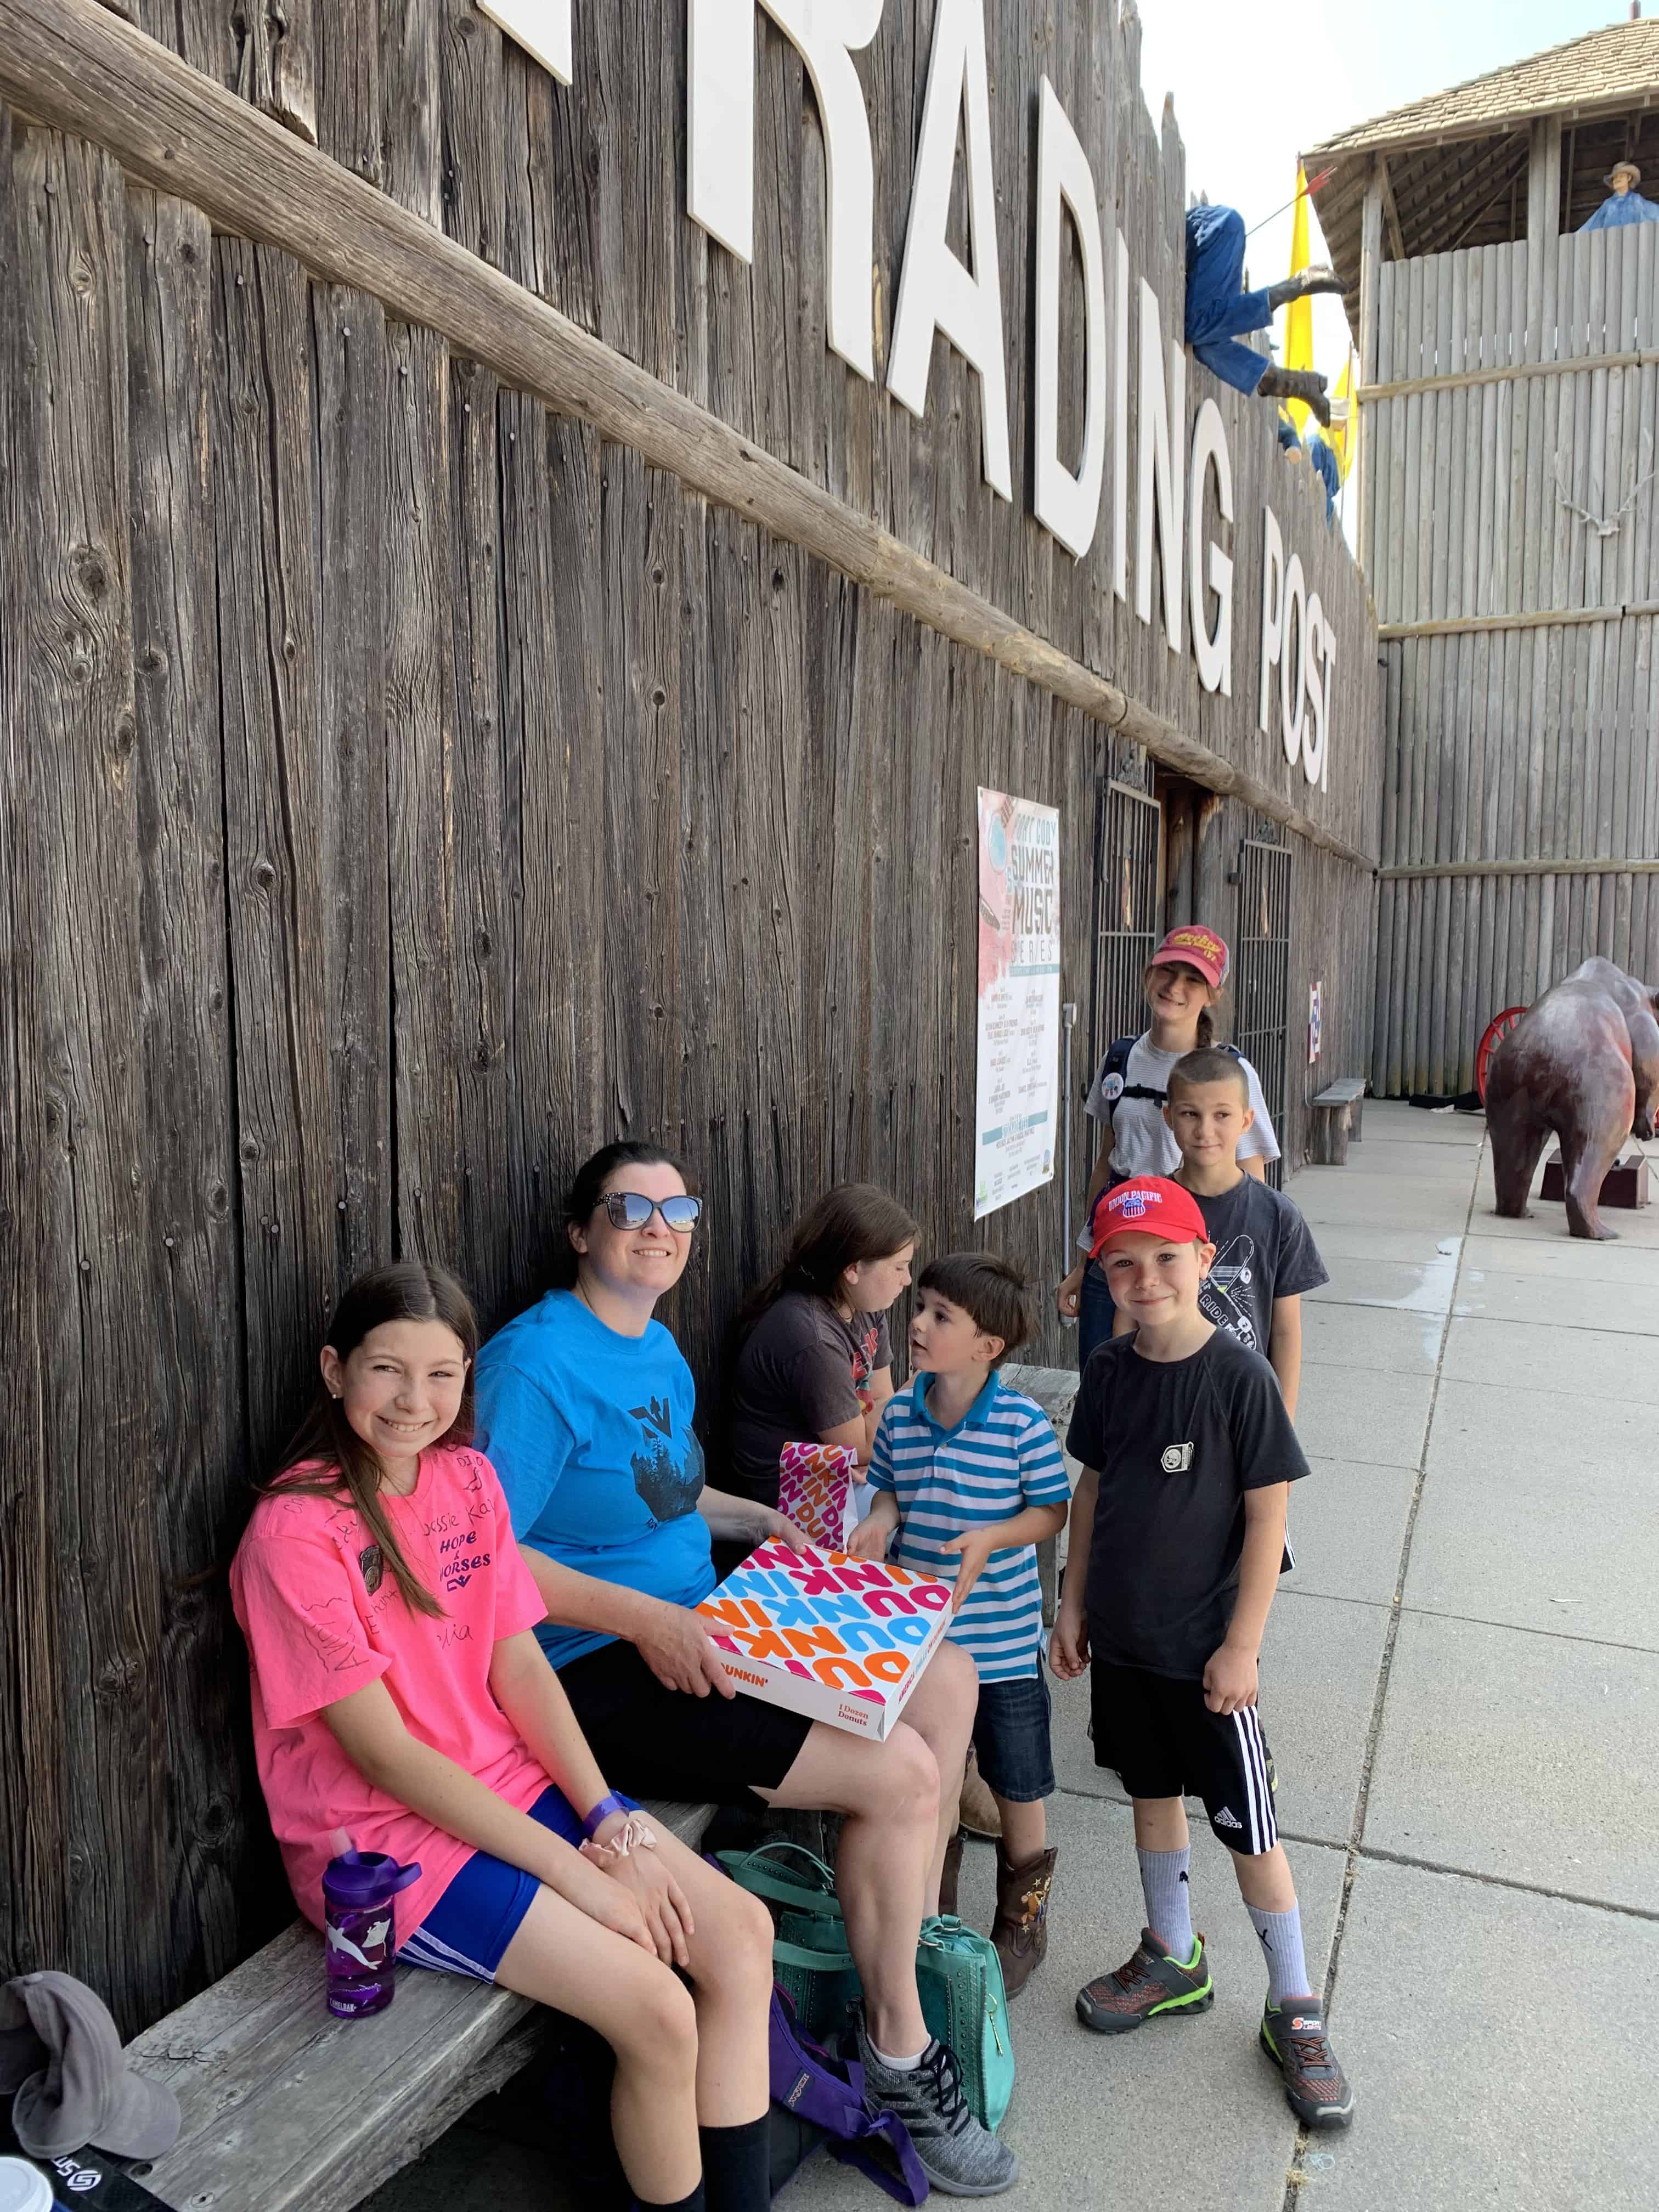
column 1298, row 384
column 1304, row 283
column 1021, row 1930
column 947, row 1881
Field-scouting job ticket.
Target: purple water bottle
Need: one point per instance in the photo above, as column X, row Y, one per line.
column 359, row 1934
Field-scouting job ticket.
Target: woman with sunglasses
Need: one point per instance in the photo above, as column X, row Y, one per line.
column 584, row 1407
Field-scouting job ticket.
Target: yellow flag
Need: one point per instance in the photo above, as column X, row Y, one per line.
column 1345, row 427
column 1299, row 316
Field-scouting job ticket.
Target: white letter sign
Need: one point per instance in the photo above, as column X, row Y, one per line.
column 542, row 27
column 1070, row 505
column 1214, row 651
column 935, row 291
column 1273, row 609
column 1158, row 410
column 719, row 184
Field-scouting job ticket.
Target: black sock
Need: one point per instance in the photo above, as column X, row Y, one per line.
column 694, row 2203
column 737, row 2166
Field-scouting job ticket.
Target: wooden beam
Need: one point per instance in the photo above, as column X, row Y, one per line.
column 1391, row 216
column 1534, row 618
column 1647, row 358
column 70, row 64
column 1445, row 868
column 1544, row 181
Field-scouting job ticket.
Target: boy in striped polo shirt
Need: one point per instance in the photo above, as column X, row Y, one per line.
column 970, row 1475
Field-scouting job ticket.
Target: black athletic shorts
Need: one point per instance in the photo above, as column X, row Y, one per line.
column 653, row 1742
column 1161, row 1739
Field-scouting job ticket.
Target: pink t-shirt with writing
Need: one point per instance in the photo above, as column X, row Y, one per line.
column 317, row 1632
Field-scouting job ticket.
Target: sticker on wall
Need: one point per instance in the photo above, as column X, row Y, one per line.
column 1316, row 1019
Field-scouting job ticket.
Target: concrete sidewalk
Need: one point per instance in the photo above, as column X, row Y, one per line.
column 1461, row 1688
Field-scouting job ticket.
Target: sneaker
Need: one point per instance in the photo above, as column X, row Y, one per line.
column 1147, row 1985
column 1315, row 2088
column 958, row 2156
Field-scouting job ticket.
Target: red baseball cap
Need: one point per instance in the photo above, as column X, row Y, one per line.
column 1149, row 1206
column 1199, row 947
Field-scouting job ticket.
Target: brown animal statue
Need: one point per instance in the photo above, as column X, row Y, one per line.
column 1583, row 1065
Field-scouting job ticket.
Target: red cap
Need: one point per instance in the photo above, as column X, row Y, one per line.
column 1198, row 948
column 1149, row 1206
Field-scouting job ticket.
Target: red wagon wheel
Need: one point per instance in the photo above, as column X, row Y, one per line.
column 1496, row 1030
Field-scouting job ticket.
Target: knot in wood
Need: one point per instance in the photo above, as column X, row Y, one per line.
column 659, row 697
column 126, row 735
column 153, row 661
column 264, row 874
column 81, row 276
column 249, row 1149
column 90, row 570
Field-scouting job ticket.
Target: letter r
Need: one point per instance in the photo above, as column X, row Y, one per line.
column 720, row 185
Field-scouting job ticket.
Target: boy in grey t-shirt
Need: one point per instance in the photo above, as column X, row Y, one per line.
column 1265, row 1258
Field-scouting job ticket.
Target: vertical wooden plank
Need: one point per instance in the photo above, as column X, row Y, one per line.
column 425, row 893
column 34, row 1901
column 352, row 407
column 264, row 436
column 94, row 1259
column 486, row 865
column 471, row 93
column 411, row 156
column 197, row 1444
column 348, row 51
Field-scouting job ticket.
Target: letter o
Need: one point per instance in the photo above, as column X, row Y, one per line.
column 1292, row 682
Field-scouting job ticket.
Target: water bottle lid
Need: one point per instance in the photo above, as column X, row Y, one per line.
column 23, row 2188
column 360, row 1877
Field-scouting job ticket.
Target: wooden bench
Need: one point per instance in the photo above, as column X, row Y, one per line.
column 1336, row 1113
column 1054, row 1389
column 287, row 2109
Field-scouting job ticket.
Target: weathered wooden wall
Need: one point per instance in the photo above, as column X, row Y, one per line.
column 407, row 789
column 1522, row 707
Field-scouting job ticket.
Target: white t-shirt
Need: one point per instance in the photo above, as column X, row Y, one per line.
column 1143, row 1143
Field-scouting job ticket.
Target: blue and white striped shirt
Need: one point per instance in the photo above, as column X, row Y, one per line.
column 999, row 1458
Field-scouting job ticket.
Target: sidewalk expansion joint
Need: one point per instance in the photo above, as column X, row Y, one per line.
column 1296, row 2174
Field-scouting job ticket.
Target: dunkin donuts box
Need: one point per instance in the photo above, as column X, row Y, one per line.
column 815, row 1490
column 838, row 1640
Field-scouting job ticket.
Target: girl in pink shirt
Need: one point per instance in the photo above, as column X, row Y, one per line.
column 399, row 1694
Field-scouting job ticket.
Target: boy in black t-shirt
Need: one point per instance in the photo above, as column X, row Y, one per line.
column 1177, row 1533
column 1265, row 1257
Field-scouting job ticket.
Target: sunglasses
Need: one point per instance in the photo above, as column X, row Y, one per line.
column 632, row 1209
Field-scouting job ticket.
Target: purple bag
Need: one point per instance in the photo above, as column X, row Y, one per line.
column 828, row 2093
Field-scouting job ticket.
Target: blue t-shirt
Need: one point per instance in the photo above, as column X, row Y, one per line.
column 590, row 1435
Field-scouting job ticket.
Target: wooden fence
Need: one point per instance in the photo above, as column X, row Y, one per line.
column 411, row 780
column 1510, row 458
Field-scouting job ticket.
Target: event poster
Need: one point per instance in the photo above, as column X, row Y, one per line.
column 1018, row 1092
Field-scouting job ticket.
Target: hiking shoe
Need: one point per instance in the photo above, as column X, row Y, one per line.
column 1146, row 1986
column 1315, row 2088
column 958, row 2156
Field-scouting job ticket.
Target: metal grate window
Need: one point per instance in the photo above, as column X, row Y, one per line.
column 1127, row 855
column 1261, row 976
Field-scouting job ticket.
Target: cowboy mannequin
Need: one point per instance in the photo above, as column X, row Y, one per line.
column 1626, row 205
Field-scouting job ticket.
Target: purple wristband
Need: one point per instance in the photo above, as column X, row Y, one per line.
column 601, row 1813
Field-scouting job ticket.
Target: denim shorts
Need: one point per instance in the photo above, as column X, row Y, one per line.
column 1011, row 1738
column 469, row 1929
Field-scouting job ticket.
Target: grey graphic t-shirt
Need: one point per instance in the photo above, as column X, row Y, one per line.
column 1263, row 1251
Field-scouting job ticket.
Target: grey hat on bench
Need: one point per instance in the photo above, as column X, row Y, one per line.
column 60, row 2051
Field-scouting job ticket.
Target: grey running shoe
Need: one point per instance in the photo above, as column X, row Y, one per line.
column 1149, row 1985
column 958, row 2156
column 1316, row 2088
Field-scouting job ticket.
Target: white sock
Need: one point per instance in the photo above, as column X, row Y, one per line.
column 1281, row 1940
column 897, row 2065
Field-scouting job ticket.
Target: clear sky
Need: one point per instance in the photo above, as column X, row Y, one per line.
column 1254, row 84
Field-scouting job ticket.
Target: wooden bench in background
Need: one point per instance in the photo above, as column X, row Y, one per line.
column 1336, row 1113
column 287, row 2109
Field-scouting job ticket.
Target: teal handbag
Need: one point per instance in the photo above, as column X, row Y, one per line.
column 959, row 1977
column 958, row 1973
column 811, row 1962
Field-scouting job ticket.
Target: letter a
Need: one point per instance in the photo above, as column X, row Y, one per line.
column 935, row 291
column 719, row 183
column 542, row 27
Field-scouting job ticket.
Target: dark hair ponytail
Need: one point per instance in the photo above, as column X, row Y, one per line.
column 853, row 1222
column 406, row 1290
column 587, row 1188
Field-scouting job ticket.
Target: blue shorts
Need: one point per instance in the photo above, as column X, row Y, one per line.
column 1011, row 1738
column 469, row 1929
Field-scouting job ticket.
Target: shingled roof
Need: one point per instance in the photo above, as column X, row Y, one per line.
column 1457, row 159
column 1615, row 68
